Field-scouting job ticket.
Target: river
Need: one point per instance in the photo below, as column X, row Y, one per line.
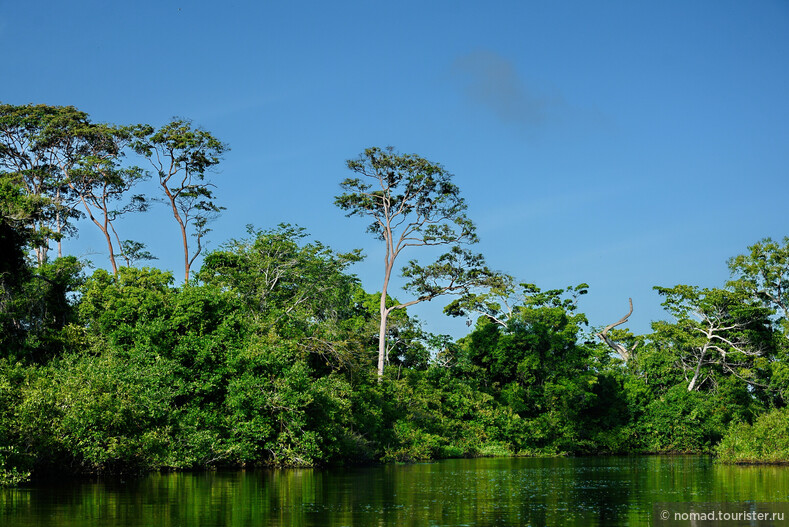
column 586, row 491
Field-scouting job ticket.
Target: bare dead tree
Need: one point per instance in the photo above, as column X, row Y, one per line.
column 717, row 349
column 622, row 350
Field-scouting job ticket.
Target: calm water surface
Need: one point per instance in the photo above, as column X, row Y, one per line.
column 478, row 492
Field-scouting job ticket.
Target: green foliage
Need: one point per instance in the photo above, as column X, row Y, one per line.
column 35, row 304
column 120, row 309
column 33, row 138
column 265, row 358
column 499, row 299
column 37, row 310
column 298, row 291
column 405, row 185
column 764, row 274
column 11, row 475
column 182, row 156
column 552, row 384
column 15, row 208
column 16, row 463
column 429, row 415
column 102, row 184
column 194, row 329
column 717, row 332
column 105, row 413
column 412, row 202
column 280, row 278
column 242, row 349
column 680, row 421
column 134, row 251
column 765, row 441
column 282, row 415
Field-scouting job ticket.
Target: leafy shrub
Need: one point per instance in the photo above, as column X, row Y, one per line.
column 766, row 441
column 96, row 414
column 680, row 421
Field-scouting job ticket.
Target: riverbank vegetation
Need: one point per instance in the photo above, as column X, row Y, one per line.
column 766, row 440
column 270, row 352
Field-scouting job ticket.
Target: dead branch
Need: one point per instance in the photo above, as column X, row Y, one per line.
column 620, row 349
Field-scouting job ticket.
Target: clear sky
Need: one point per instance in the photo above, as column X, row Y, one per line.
column 622, row 144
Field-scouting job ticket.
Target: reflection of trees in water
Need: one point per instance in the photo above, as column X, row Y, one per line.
column 482, row 492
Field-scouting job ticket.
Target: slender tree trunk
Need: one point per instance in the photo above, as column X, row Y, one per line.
column 698, row 369
column 384, row 315
column 382, row 339
column 183, row 231
column 187, row 266
column 103, row 228
column 388, row 266
column 106, row 232
column 120, row 245
column 41, row 251
column 59, row 226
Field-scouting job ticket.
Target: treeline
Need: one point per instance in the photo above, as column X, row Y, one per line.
column 69, row 167
column 271, row 353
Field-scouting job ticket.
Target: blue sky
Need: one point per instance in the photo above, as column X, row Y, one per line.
column 622, row 144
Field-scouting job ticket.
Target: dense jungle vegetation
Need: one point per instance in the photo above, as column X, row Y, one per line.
column 271, row 352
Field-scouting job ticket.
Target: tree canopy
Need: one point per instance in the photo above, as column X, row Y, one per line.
column 412, row 202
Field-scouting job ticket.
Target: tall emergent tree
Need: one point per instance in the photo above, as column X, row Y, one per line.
column 413, row 203
column 38, row 143
column 99, row 181
column 58, row 156
column 16, row 212
column 764, row 274
column 182, row 155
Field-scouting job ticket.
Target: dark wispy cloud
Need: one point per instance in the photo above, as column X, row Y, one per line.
column 490, row 80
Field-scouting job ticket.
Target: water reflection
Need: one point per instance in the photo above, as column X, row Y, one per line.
column 480, row 492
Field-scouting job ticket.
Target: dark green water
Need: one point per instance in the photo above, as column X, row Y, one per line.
column 503, row 491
